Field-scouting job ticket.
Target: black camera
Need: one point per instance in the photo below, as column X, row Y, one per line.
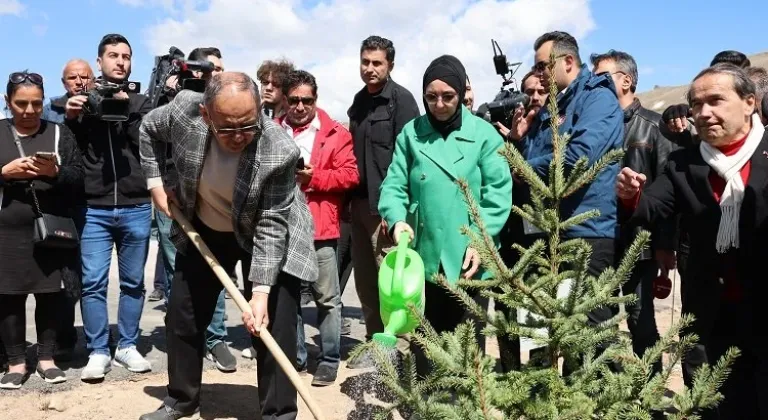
column 174, row 64
column 508, row 99
column 102, row 103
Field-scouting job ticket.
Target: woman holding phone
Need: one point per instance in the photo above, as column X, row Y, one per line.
column 40, row 162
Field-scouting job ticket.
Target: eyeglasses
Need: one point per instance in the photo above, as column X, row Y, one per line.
column 542, row 65
column 247, row 131
column 431, row 98
column 21, row 77
column 294, row 100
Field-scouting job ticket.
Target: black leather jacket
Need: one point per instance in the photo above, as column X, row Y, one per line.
column 646, row 151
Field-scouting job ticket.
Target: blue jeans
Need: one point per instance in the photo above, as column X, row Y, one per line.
column 216, row 332
column 328, row 301
column 128, row 229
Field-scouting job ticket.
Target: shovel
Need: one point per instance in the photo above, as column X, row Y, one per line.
column 244, row 306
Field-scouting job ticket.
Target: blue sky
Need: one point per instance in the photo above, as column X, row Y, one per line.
column 671, row 40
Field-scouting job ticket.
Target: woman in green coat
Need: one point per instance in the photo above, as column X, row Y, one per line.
column 420, row 195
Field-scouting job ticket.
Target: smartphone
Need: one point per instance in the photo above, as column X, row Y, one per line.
column 46, row 156
column 300, row 163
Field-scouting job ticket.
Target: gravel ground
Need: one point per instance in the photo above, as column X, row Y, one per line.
column 125, row 395
column 152, row 341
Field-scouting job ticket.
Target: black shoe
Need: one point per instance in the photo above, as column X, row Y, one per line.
column 324, row 376
column 222, row 357
column 64, row 354
column 52, row 375
column 364, row 361
column 302, row 370
column 346, row 326
column 167, row 413
column 13, row 380
column 156, row 295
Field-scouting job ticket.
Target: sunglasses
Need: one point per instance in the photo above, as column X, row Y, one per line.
column 294, row 100
column 431, row 98
column 21, row 77
column 542, row 65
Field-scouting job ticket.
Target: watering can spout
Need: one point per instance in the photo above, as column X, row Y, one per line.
column 398, row 320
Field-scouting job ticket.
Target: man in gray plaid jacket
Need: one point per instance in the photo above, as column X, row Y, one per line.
column 235, row 180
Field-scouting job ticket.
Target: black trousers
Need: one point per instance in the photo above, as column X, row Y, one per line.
column 745, row 391
column 697, row 356
column 603, row 256
column 13, row 325
column 344, row 255
column 66, row 333
column 444, row 312
column 641, row 318
column 194, row 293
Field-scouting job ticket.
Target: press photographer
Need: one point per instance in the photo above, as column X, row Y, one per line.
column 531, row 86
column 173, row 73
column 499, row 111
column 117, row 211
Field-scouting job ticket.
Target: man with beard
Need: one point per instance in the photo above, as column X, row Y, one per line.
column 378, row 113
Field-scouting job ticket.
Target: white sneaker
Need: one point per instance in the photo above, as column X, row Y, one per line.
column 248, row 353
column 131, row 359
column 97, row 367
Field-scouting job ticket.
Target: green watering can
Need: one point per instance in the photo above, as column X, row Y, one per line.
column 401, row 281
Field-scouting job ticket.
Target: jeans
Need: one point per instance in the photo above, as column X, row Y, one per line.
column 216, row 332
column 328, row 300
column 128, row 229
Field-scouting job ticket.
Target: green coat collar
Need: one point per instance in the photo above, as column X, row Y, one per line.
column 446, row 153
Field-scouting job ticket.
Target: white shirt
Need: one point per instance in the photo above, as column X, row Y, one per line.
column 305, row 139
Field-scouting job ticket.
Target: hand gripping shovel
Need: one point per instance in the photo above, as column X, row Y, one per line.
column 265, row 336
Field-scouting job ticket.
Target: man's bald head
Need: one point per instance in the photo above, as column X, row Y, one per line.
column 231, row 107
column 77, row 76
column 230, row 83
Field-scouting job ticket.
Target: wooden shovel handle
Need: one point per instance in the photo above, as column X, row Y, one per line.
column 282, row 360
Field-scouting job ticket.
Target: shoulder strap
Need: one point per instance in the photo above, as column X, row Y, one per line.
column 17, row 140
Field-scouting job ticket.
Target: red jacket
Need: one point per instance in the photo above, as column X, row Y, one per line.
column 335, row 173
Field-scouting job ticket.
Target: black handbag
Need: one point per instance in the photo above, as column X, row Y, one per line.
column 51, row 231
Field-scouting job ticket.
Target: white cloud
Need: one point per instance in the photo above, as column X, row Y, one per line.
column 11, row 7
column 325, row 39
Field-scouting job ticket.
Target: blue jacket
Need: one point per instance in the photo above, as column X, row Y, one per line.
column 590, row 113
column 53, row 111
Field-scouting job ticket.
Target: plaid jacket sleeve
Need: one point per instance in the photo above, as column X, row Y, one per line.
column 153, row 140
column 270, row 235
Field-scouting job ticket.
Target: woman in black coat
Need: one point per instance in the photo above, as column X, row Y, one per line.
column 53, row 162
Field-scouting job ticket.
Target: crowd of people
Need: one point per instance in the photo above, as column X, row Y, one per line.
column 271, row 181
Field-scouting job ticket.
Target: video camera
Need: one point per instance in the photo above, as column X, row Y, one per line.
column 175, row 64
column 508, row 99
column 102, row 103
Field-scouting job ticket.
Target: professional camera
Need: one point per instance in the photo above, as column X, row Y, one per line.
column 508, row 98
column 102, row 103
column 174, row 64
